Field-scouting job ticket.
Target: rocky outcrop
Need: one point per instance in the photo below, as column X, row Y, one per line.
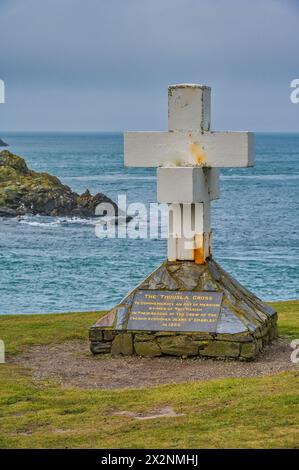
column 3, row 144
column 23, row 191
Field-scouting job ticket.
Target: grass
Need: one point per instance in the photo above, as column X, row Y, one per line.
column 288, row 317
column 229, row 413
column 19, row 331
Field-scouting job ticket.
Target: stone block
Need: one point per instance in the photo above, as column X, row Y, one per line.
column 196, row 185
column 147, row 349
column 98, row 347
column 108, row 335
column 95, row 334
column 189, row 107
column 248, row 350
column 165, row 333
column 141, row 337
column 202, row 344
column 195, row 148
column 221, row 349
column 235, row 337
column 122, row 344
column 259, row 343
column 180, row 345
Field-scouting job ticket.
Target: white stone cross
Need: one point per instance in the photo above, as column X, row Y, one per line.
column 188, row 156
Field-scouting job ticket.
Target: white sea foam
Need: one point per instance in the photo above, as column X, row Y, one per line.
column 39, row 224
column 55, row 222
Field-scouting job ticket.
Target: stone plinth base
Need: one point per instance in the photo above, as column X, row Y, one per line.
column 244, row 325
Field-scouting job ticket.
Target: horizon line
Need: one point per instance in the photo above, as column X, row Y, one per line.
column 122, row 131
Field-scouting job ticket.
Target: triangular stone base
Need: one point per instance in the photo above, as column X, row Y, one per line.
column 243, row 327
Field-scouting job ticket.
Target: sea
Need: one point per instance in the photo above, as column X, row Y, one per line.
column 58, row 264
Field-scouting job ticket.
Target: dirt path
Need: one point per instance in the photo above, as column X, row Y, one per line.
column 72, row 365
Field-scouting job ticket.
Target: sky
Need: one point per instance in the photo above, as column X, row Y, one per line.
column 104, row 65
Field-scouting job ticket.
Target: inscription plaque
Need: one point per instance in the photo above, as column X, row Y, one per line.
column 160, row 310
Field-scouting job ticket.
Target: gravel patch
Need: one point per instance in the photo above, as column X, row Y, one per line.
column 72, row 365
column 165, row 412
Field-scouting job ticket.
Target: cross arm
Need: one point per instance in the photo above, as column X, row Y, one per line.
column 194, row 148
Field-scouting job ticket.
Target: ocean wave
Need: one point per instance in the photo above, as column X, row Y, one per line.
column 39, row 224
column 105, row 178
column 57, row 222
column 261, row 177
column 119, row 177
column 123, row 177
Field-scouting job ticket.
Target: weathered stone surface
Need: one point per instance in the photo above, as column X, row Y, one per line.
column 248, row 350
column 165, row 333
column 95, row 334
column 186, row 277
column 235, row 338
column 147, row 349
column 180, row 345
column 128, row 299
column 121, row 316
column 122, row 344
column 108, row 335
column 207, row 282
column 160, row 279
column 229, row 323
column 221, row 349
column 259, row 343
column 273, row 332
column 188, row 274
column 202, row 344
column 214, row 270
column 173, row 266
column 98, row 347
column 107, row 320
column 144, row 337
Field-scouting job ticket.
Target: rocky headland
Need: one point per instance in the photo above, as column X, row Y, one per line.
column 3, row 144
column 24, row 191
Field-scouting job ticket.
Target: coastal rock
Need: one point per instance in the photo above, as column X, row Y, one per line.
column 3, row 144
column 23, row 191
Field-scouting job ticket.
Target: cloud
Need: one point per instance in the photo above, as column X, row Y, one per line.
column 245, row 49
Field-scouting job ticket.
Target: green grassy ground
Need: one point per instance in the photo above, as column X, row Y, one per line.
column 261, row 412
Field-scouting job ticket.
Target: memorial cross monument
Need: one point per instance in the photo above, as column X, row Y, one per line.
column 188, row 157
column 189, row 306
